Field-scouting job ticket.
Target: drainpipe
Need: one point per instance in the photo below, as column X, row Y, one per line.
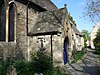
column 27, row 17
column 51, row 51
column 27, row 29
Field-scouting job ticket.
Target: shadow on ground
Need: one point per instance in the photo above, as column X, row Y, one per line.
column 88, row 66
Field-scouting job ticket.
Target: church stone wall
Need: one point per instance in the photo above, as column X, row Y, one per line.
column 34, row 44
column 20, row 45
column 6, row 49
column 24, row 41
column 21, row 38
column 25, row 45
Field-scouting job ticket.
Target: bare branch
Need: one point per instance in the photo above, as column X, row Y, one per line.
column 92, row 10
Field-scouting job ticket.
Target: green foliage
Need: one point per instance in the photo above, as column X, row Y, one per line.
column 26, row 68
column 78, row 55
column 43, row 60
column 3, row 67
column 99, row 58
column 86, row 37
column 85, row 45
column 22, row 67
column 40, row 63
column 92, row 10
column 54, row 72
column 97, row 42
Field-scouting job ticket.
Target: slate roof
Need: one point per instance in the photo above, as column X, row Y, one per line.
column 48, row 22
column 47, row 4
column 76, row 30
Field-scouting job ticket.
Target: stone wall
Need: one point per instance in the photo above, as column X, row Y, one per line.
column 6, row 49
column 57, row 46
column 70, row 47
column 21, row 35
column 58, row 42
column 68, row 34
column 25, row 45
column 20, row 45
column 77, row 41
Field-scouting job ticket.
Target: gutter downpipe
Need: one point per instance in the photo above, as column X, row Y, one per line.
column 27, row 17
column 27, row 5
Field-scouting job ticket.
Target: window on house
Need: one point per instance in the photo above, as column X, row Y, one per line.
column 2, row 23
column 11, row 23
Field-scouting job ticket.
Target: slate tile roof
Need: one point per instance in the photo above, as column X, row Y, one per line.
column 47, row 4
column 76, row 30
column 48, row 21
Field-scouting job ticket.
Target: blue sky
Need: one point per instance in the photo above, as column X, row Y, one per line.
column 76, row 9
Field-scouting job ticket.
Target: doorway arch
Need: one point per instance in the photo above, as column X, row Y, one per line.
column 65, row 50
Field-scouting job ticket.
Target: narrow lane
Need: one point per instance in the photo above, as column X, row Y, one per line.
column 87, row 66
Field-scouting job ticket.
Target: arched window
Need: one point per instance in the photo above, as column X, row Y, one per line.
column 8, row 22
column 11, row 23
column 2, row 23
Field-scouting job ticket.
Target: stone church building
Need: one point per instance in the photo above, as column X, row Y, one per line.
column 27, row 25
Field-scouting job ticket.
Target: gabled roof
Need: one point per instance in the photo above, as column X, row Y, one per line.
column 47, row 4
column 76, row 30
column 48, row 22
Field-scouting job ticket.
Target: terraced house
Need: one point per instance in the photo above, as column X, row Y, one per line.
column 93, row 34
column 27, row 25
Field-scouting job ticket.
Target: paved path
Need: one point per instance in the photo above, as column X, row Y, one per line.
column 88, row 66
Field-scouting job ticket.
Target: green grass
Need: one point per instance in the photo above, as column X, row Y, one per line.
column 78, row 55
column 55, row 72
column 98, row 57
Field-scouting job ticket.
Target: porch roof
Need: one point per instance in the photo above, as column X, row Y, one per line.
column 48, row 22
column 76, row 30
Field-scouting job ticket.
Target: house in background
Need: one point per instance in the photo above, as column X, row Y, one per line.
column 93, row 34
column 27, row 25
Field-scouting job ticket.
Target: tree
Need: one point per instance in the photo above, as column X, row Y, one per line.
column 42, row 61
column 97, row 42
column 86, row 36
column 92, row 10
